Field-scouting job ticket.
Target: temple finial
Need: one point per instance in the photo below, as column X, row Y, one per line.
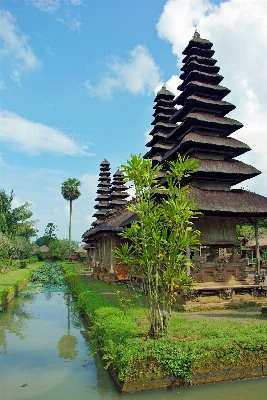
column 196, row 34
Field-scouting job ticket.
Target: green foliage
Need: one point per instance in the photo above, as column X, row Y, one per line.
column 191, row 346
column 157, row 240
column 40, row 255
column 49, row 235
column 70, row 191
column 33, row 260
column 16, row 228
column 15, row 221
column 264, row 254
column 247, row 231
column 16, row 247
column 13, row 280
column 60, row 247
column 125, row 299
column 50, row 273
column 263, row 223
column 23, row 263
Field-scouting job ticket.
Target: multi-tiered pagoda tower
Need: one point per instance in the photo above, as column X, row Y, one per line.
column 164, row 109
column 104, row 187
column 199, row 129
column 118, row 194
column 203, row 133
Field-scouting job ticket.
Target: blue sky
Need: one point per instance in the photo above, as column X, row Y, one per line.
column 78, row 82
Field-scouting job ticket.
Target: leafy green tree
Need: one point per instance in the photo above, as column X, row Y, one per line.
column 16, row 228
column 70, row 191
column 60, row 247
column 157, row 241
column 15, row 221
column 49, row 235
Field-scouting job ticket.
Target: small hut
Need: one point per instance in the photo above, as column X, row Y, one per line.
column 44, row 249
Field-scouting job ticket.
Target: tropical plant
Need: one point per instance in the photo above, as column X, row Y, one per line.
column 49, row 235
column 157, row 241
column 15, row 221
column 16, row 228
column 70, row 191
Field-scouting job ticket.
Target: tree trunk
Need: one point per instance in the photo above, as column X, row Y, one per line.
column 70, row 230
column 257, row 248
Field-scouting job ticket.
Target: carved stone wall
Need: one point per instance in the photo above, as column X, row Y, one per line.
column 218, row 270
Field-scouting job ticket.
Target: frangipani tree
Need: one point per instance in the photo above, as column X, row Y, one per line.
column 157, row 241
column 70, row 191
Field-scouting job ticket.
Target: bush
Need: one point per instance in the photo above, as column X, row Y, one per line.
column 23, row 263
column 32, row 260
column 56, row 257
column 40, row 256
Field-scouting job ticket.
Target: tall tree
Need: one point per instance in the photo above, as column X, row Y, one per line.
column 70, row 191
column 49, row 235
column 157, row 241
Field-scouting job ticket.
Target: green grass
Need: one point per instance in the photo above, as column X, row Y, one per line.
column 194, row 343
column 11, row 282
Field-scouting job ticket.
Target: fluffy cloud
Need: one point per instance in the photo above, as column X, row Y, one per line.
column 34, row 138
column 15, row 46
column 138, row 74
column 237, row 29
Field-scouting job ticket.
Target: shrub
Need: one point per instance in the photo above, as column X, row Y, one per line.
column 32, row 260
column 40, row 256
column 23, row 263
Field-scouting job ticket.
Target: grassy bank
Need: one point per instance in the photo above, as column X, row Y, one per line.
column 193, row 345
column 11, row 282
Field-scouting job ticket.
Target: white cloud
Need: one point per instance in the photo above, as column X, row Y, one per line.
column 49, row 6
column 138, row 74
column 34, row 138
column 147, row 136
column 15, row 47
column 237, row 29
column 62, row 10
column 173, row 83
column 89, row 182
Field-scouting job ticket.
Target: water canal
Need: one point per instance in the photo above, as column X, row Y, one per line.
column 45, row 354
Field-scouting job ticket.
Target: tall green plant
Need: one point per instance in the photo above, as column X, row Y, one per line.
column 16, row 228
column 70, row 191
column 157, row 241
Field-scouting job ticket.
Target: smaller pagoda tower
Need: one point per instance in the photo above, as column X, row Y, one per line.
column 118, row 193
column 104, row 187
column 164, row 109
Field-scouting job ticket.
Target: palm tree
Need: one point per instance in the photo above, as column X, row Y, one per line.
column 70, row 192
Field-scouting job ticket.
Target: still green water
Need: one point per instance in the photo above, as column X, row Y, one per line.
column 45, row 354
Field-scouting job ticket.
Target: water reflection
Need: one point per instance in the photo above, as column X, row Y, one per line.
column 46, row 346
column 14, row 321
column 67, row 343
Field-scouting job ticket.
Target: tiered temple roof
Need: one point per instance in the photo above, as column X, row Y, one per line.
column 202, row 131
column 164, row 108
column 104, row 188
column 118, row 194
